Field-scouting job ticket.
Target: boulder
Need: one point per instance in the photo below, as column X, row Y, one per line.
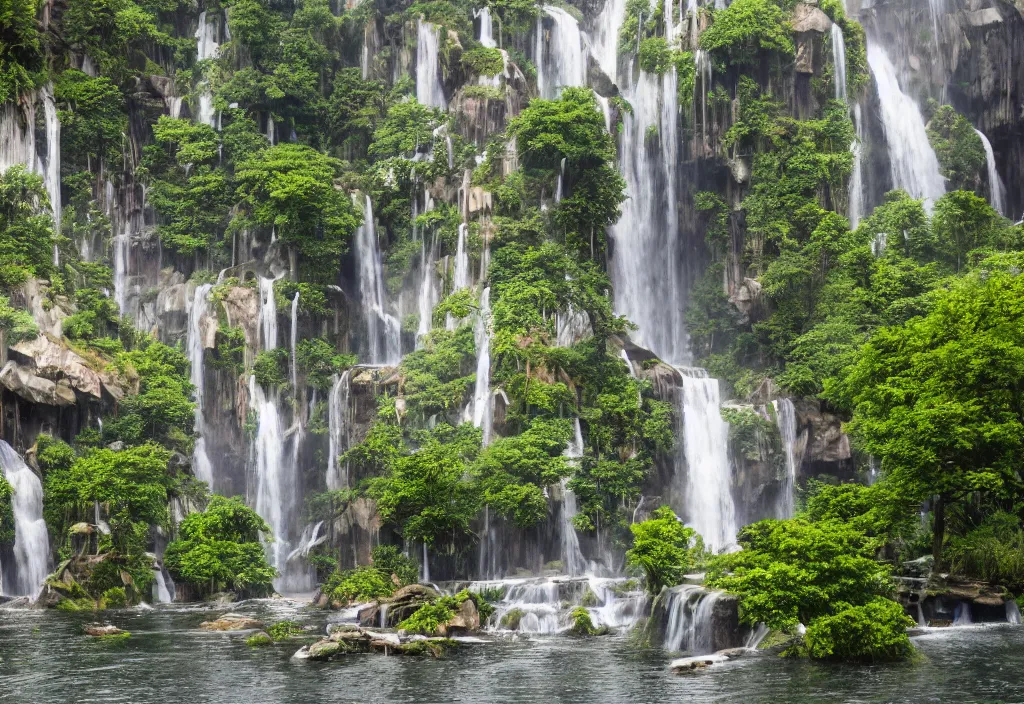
column 810, row 18
column 325, row 650
column 697, row 662
column 232, row 622
column 467, row 618
column 36, row 389
column 98, row 630
column 51, row 360
column 984, row 18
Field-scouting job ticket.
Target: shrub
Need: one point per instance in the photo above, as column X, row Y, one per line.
column 390, row 561
column 271, row 367
column 114, row 598
column 581, row 623
column 361, row 584
column 428, row 618
column 874, row 631
column 663, row 549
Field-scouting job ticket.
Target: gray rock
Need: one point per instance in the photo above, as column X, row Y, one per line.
column 809, row 18
column 36, row 389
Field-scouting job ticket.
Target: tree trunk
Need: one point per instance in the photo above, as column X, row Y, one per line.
column 938, row 531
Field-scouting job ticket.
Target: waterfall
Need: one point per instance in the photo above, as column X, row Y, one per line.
column 163, row 594
column 996, row 190
column 425, row 567
column 272, row 138
column 486, row 27
column 691, row 613
column 338, row 418
column 703, row 452
column 839, row 61
column 201, row 465
column 382, row 329
column 271, row 484
column 702, row 68
column 294, row 341
column 268, row 313
column 1012, row 612
column 427, row 298
column 122, row 251
column 429, row 90
column 573, row 561
column 912, row 161
column 482, row 416
column 566, row 64
column 206, row 48
column 646, row 267
column 856, row 208
column 460, row 279
column 962, row 614
column 785, row 419
column 605, row 44
column 31, row 540
column 18, row 145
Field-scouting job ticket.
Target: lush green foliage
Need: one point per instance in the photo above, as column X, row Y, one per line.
column 664, row 550
column 958, row 147
column 745, row 29
column 869, row 632
column 220, row 549
column 26, row 249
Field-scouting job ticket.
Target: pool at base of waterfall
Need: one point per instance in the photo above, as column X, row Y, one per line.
column 44, row 657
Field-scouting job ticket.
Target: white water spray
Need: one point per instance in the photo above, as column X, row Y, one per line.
column 201, row 465
column 382, row 329
column 31, row 540
column 996, row 190
column 429, row 90
column 785, row 419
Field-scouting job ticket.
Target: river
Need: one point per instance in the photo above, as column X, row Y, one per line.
column 45, row 658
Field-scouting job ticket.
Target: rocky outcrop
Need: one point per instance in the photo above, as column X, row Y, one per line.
column 100, row 630
column 52, row 361
column 232, row 622
column 346, row 640
column 388, row 613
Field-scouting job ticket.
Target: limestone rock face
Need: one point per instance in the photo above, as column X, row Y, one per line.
column 810, row 18
column 36, row 389
column 50, row 360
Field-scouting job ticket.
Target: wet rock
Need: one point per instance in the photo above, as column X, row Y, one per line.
column 325, row 650
column 467, row 618
column 232, row 622
column 98, row 630
column 697, row 662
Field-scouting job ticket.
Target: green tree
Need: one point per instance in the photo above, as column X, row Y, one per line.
column 21, row 49
column 26, row 247
column 664, row 550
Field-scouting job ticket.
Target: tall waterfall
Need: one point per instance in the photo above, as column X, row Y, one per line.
column 573, row 561
column 996, row 190
column 338, row 418
column 206, row 48
column 646, row 267
column 565, row 63
column 482, row 416
column 605, row 37
column 912, row 161
column 121, row 245
column 785, row 419
column 429, row 90
column 486, row 27
column 201, row 465
column 294, row 365
column 839, row 61
column 709, row 506
column 18, row 145
column 428, row 293
column 856, row 206
column 31, row 540
column 382, row 329
column 460, row 279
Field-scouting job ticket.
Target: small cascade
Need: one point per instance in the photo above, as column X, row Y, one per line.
column 206, row 48
column 1012, row 612
column 122, row 251
column 338, row 419
column 164, row 594
column 702, row 69
column 561, row 178
column 425, row 567
column 646, row 266
column 691, row 611
column 921, row 620
column 429, row 90
column 312, row 536
column 785, row 419
column 962, row 614
column 272, row 138
column 912, row 161
column 839, row 61
column 753, row 641
column 709, row 506
column 605, row 37
column 201, row 465
column 573, row 561
column 31, row 539
column 565, row 64
column 543, row 606
column 50, row 165
column 856, row 206
column 486, row 27
column 996, row 189
column 382, row 329
column 482, row 415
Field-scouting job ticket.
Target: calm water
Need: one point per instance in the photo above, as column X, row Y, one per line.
column 44, row 658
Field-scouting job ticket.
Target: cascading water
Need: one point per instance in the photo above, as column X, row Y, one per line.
column 646, row 267
column 486, row 27
column 709, row 506
column 429, row 90
column 839, row 61
column 482, row 416
column 164, row 595
column 912, row 161
column 605, row 37
column 206, row 48
column 996, row 190
column 690, row 627
column 856, row 207
column 1012, row 612
column 382, row 329
column 201, row 465
column 122, row 251
column 428, row 291
column 31, row 539
column 564, row 64
column 294, row 343
column 573, row 561
column 338, row 418
column 460, row 278
column 785, row 419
